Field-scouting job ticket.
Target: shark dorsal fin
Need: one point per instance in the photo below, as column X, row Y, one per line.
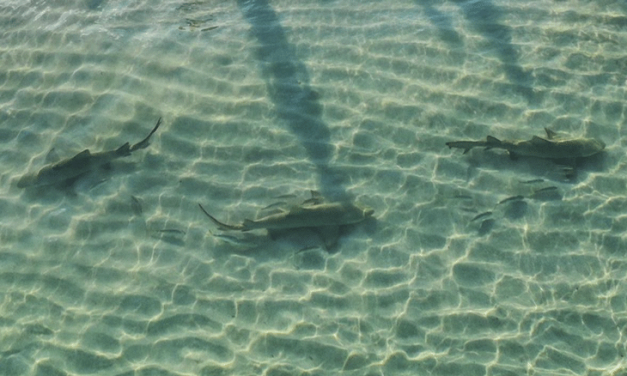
column 491, row 142
column 550, row 134
column 316, row 198
column 83, row 154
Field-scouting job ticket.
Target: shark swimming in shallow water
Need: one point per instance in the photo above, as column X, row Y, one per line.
column 65, row 172
column 314, row 213
column 550, row 147
column 319, row 215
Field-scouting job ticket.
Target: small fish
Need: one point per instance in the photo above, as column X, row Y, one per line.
column 171, row 231
column 482, row 215
column 136, row 206
column 234, row 241
column 168, row 235
column 552, row 188
column 513, row 198
column 546, row 194
column 486, row 227
column 533, row 181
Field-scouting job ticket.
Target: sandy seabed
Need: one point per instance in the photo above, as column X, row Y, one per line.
column 264, row 101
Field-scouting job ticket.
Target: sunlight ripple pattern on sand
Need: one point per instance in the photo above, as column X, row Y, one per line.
column 125, row 276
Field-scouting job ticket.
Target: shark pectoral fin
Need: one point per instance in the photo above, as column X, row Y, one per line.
column 329, row 235
column 468, row 149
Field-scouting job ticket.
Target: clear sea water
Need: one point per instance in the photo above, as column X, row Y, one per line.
column 263, row 101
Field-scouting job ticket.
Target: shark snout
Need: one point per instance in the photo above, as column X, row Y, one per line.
column 26, row 181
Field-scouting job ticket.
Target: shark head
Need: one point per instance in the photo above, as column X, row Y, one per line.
column 46, row 176
column 27, row 180
column 592, row 147
column 355, row 214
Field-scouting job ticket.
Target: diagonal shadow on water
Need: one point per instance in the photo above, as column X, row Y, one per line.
column 288, row 85
column 485, row 18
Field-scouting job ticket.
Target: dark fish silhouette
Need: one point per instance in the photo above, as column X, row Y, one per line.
column 548, row 148
column 65, row 172
column 317, row 215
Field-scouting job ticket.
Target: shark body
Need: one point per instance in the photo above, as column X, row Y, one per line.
column 67, row 171
column 547, row 148
column 318, row 214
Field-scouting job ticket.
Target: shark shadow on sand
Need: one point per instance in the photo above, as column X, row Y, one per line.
column 329, row 220
column 487, row 19
column 65, row 173
column 287, row 79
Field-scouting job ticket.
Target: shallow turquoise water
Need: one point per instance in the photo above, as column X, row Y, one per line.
column 262, row 102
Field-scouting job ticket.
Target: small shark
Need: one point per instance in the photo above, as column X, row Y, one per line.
column 326, row 220
column 65, row 172
column 315, row 215
column 547, row 148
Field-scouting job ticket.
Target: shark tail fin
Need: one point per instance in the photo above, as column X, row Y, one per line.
column 146, row 141
column 124, row 150
column 492, row 142
column 221, row 225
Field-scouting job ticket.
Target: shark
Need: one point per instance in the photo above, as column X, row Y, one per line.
column 65, row 172
column 551, row 147
column 319, row 215
column 324, row 217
